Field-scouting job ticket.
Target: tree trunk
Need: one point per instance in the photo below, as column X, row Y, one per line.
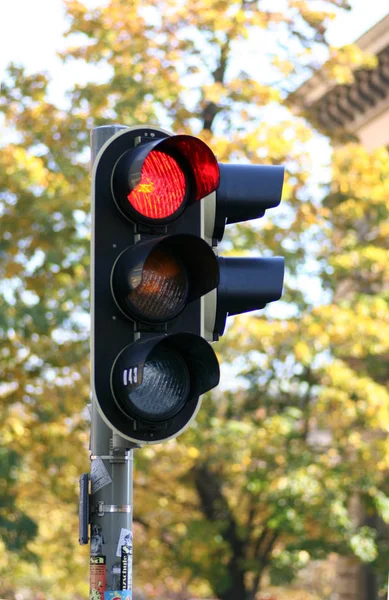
column 215, row 508
column 236, row 589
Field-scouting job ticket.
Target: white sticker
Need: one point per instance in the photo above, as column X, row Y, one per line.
column 130, row 376
column 99, row 475
column 125, row 539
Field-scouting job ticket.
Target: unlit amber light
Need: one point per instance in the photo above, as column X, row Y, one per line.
column 162, row 187
column 163, row 289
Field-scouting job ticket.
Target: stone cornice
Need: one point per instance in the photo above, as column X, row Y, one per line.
column 347, row 108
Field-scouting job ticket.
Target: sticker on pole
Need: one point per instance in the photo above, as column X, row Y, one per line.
column 126, row 568
column 119, row 595
column 99, row 475
column 97, row 540
column 125, row 539
column 98, row 574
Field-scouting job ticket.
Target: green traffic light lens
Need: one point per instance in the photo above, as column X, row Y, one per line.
column 164, row 388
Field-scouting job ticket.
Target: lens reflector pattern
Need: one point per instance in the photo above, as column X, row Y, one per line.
column 163, row 288
column 202, row 161
column 165, row 385
column 162, row 187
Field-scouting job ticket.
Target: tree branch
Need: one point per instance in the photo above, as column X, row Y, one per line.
column 211, row 108
column 263, row 556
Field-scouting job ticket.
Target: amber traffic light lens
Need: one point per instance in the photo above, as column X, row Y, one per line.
column 162, row 187
column 163, row 287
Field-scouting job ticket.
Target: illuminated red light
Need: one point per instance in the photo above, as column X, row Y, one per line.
column 202, row 161
column 162, row 187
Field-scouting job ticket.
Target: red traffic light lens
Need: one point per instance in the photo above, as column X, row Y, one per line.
column 161, row 189
column 162, row 290
column 153, row 182
column 201, row 160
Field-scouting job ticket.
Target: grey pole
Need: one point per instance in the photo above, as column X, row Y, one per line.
column 110, row 507
column 100, row 135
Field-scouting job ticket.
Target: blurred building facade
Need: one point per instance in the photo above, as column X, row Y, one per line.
column 359, row 110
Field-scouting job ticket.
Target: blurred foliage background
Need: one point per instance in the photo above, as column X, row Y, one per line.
column 261, row 486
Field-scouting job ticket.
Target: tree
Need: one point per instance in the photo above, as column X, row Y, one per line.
column 248, row 489
column 44, row 343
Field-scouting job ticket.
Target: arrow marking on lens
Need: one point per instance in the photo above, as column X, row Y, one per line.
column 130, row 375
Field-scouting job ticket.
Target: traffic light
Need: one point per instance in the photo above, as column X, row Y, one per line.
column 160, row 293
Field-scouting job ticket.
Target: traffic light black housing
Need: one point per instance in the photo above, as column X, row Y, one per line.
column 245, row 192
column 150, row 270
column 247, row 284
column 160, row 293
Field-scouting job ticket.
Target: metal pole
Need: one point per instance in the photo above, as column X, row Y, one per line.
column 110, row 512
column 110, row 509
column 100, row 135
